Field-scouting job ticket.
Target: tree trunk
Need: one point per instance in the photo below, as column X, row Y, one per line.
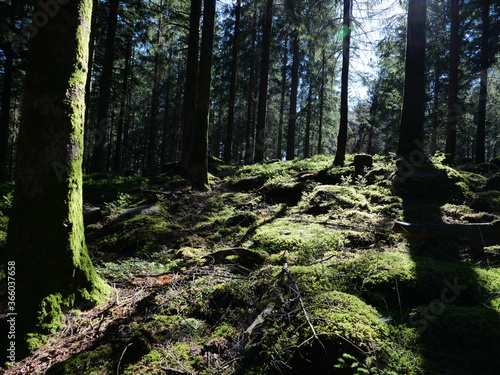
column 321, row 106
column 292, row 114
column 307, row 139
column 452, row 120
column 344, row 109
column 5, row 113
column 124, row 109
column 191, row 86
column 199, row 156
column 411, row 131
column 250, row 128
column 228, row 147
column 155, row 109
column 264, row 79
column 46, row 243
column 279, row 145
column 480, row 156
column 98, row 162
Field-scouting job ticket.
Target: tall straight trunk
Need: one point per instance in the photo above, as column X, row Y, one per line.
column 250, row 128
column 411, row 130
column 264, row 79
column 228, row 147
column 452, row 120
column 199, row 157
column 292, row 114
column 5, row 113
column 103, row 124
column 344, row 91
column 480, row 156
column 167, row 121
column 124, row 109
column 307, row 138
column 321, row 105
column 279, row 146
column 435, row 115
column 45, row 242
column 155, row 109
column 89, row 131
column 191, row 86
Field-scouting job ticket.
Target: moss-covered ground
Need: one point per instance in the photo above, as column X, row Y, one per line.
column 323, row 284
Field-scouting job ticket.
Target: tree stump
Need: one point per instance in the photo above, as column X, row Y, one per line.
column 361, row 162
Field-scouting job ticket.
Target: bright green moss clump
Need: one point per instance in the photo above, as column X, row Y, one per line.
column 304, row 241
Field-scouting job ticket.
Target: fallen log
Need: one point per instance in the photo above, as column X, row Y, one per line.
column 474, row 236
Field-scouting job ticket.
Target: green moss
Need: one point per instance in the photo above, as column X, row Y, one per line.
column 330, row 198
column 150, row 363
column 305, row 241
column 94, row 362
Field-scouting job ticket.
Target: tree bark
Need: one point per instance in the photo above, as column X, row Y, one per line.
column 228, row 147
column 452, row 119
column 292, row 114
column 98, row 162
column 411, row 131
column 264, row 79
column 5, row 113
column 191, row 86
column 480, row 154
column 45, row 242
column 344, row 91
column 199, row 156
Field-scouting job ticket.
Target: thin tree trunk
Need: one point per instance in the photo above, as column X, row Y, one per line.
column 124, row 110
column 279, row 144
column 103, row 123
column 452, row 120
column 155, row 109
column 344, row 91
column 307, row 139
column 411, row 134
column 483, row 91
column 435, row 115
column 292, row 114
column 264, row 79
column 45, row 239
column 250, row 129
column 191, row 86
column 199, row 156
column 321, row 106
column 228, row 147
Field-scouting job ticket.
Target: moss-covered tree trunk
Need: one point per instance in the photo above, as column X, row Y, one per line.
column 53, row 271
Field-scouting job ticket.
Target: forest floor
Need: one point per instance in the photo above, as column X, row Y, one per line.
column 287, row 268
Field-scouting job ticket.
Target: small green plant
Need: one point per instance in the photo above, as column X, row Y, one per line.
column 122, row 201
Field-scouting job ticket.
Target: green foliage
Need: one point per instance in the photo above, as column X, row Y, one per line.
column 122, row 201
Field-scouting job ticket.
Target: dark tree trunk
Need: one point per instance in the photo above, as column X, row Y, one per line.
column 46, row 243
column 452, row 119
column 5, row 113
column 199, row 157
column 264, row 79
column 435, row 115
column 155, row 109
column 307, row 139
column 344, row 109
column 480, row 156
column 191, row 85
column 124, row 110
column 292, row 114
column 321, row 106
column 411, row 133
column 279, row 143
column 98, row 163
column 228, row 147
column 250, row 128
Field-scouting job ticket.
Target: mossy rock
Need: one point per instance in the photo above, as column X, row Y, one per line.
column 304, row 241
column 344, row 325
column 327, row 198
column 284, row 192
column 244, row 219
column 488, row 201
column 400, row 281
column 493, row 182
